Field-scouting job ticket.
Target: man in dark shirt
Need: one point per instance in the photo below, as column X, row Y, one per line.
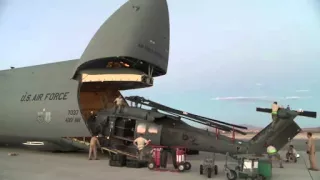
column 92, row 116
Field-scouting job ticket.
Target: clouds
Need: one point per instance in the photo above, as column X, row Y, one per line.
column 242, row 98
column 296, row 97
column 302, row 90
column 258, row 98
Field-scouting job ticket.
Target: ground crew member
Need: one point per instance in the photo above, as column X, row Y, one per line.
column 92, row 116
column 311, row 151
column 140, row 143
column 274, row 113
column 272, row 152
column 119, row 103
column 291, row 154
column 94, row 142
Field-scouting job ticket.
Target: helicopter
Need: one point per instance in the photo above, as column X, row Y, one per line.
column 166, row 126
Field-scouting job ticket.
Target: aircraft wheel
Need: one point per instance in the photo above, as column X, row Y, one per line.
column 187, row 165
column 215, row 169
column 151, row 165
column 231, row 175
column 181, row 167
column 237, row 168
column 201, row 169
column 209, row 171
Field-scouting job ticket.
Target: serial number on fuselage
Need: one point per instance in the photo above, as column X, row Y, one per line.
column 72, row 116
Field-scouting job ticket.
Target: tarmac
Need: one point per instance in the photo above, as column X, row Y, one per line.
column 39, row 165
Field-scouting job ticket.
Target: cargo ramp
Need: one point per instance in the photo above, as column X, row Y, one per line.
column 80, row 143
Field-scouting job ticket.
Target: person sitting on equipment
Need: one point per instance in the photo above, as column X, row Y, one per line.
column 272, row 152
column 140, row 143
column 274, row 113
column 291, row 154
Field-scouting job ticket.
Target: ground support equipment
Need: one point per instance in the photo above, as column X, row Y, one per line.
column 208, row 166
column 155, row 162
column 248, row 167
column 117, row 160
column 136, row 163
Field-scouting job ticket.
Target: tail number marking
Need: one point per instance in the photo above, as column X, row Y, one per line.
column 72, row 116
column 73, row 112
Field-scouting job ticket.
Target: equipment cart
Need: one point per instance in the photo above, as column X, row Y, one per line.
column 208, row 166
column 181, row 162
column 247, row 167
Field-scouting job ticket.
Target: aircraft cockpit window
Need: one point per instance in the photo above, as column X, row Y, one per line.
column 153, row 130
column 141, row 128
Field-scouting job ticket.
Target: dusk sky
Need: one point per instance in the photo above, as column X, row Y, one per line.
column 226, row 57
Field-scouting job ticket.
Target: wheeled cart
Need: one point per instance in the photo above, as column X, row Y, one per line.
column 155, row 162
column 249, row 167
column 208, row 166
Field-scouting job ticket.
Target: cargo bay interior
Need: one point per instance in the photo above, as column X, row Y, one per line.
column 99, row 88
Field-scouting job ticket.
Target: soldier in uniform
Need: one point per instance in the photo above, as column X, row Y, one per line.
column 140, row 143
column 291, row 154
column 92, row 116
column 119, row 103
column 311, row 151
column 274, row 113
column 94, row 143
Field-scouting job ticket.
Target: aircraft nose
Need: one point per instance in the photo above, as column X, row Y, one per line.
column 138, row 30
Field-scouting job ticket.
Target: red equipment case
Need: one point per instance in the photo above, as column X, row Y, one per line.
column 181, row 162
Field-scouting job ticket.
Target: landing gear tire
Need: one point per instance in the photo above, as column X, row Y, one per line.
column 181, row 167
column 201, row 169
column 187, row 165
column 231, row 175
column 151, row 165
column 215, row 169
column 237, row 168
column 209, row 172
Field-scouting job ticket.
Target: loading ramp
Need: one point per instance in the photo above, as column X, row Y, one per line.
column 108, row 149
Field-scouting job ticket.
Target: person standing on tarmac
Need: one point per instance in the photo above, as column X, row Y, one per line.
column 140, row 143
column 119, row 103
column 272, row 152
column 311, row 151
column 94, row 142
column 274, row 113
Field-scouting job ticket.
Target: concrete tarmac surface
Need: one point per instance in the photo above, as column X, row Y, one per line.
column 37, row 165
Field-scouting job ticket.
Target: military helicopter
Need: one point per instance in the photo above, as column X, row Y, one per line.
column 165, row 126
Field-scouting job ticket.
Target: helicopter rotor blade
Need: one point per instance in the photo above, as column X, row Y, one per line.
column 214, row 125
column 159, row 106
column 209, row 124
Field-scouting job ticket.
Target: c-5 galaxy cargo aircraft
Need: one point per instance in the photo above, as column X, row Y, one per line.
column 46, row 102
column 49, row 105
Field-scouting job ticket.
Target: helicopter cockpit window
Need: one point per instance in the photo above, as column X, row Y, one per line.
column 153, row 130
column 141, row 128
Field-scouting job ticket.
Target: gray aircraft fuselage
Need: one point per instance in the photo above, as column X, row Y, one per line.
column 26, row 93
column 42, row 103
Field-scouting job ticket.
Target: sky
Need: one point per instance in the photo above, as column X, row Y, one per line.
column 226, row 57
